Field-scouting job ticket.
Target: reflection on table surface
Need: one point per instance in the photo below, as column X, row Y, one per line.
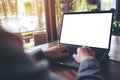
column 115, row 48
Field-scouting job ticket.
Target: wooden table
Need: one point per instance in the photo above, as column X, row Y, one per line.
column 110, row 69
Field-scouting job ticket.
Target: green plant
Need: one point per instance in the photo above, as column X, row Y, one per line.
column 116, row 28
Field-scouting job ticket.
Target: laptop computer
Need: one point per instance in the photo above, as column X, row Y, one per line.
column 92, row 29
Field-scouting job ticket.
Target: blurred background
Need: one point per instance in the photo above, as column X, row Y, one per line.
column 39, row 21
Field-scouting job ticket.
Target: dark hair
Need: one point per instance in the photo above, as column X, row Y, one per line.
column 11, row 50
column 14, row 63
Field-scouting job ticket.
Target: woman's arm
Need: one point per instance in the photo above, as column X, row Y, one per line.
column 89, row 66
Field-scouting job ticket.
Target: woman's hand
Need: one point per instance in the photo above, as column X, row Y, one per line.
column 56, row 52
column 83, row 53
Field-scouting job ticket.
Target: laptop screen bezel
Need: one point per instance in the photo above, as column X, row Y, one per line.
column 107, row 50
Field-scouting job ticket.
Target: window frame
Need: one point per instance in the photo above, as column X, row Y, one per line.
column 117, row 10
column 50, row 20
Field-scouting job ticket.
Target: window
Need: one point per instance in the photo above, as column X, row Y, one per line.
column 108, row 4
column 25, row 17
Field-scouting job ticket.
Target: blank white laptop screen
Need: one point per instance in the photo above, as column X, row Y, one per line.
column 89, row 29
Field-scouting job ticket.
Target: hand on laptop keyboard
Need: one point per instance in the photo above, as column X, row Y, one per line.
column 83, row 53
column 56, row 52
